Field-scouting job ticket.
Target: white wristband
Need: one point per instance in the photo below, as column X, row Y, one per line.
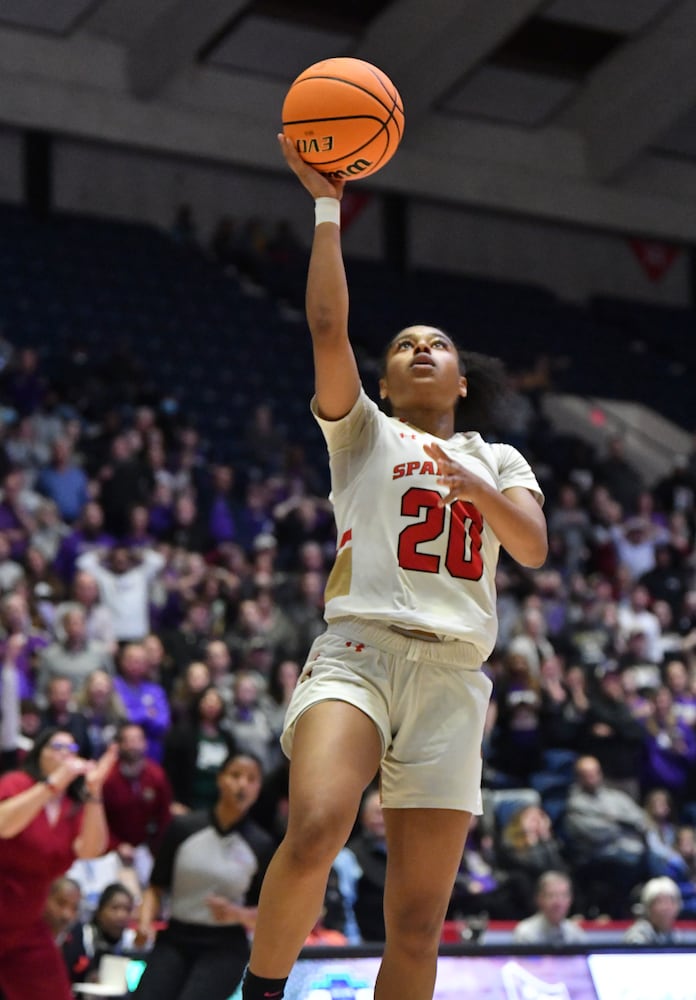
column 327, row 210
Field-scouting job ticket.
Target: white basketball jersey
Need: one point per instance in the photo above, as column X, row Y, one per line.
column 401, row 558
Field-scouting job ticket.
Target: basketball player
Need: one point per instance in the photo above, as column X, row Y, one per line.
column 395, row 684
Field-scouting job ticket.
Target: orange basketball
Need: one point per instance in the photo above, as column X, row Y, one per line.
column 345, row 117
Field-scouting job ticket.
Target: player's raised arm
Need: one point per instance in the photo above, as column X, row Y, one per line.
column 337, row 382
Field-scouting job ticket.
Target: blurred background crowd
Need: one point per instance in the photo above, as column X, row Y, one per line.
column 161, row 588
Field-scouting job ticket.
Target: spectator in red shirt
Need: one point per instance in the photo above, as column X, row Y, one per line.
column 51, row 812
column 137, row 799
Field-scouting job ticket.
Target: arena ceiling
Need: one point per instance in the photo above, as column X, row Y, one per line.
column 581, row 111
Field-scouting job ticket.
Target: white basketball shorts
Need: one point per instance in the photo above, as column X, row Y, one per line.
column 428, row 701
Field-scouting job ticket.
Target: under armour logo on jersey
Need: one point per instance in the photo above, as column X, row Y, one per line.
column 357, row 646
column 411, row 436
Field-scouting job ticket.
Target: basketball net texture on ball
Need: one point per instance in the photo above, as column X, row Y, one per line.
column 345, row 117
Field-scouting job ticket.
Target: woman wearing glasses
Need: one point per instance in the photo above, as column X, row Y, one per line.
column 51, row 812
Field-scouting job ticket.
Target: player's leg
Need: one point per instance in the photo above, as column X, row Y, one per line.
column 336, row 753
column 424, row 848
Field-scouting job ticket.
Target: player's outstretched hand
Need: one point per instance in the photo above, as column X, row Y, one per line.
column 318, row 185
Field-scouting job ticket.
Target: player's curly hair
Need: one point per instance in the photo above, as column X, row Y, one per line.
column 487, row 389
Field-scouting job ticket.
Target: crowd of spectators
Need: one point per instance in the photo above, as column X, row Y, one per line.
column 154, row 594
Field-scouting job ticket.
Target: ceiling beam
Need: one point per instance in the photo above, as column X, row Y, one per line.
column 427, row 47
column 247, row 142
column 633, row 98
column 123, row 21
column 171, row 43
column 77, row 88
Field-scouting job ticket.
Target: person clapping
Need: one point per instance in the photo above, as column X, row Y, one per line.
column 51, row 812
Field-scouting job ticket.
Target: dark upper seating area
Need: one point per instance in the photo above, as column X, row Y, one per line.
column 70, row 281
column 103, row 287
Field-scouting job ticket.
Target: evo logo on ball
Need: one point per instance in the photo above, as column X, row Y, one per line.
column 324, row 144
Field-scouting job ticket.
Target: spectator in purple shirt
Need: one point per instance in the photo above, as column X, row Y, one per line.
column 145, row 701
column 219, row 507
column 669, row 748
column 679, row 683
column 255, row 517
column 161, row 510
column 88, row 534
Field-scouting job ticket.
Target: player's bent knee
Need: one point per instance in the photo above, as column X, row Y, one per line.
column 415, row 930
column 316, row 840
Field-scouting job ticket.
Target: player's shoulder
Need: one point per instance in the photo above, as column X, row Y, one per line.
column 364, row 406
column 503, row 448
column 472, row 443
column 371, row 409
column 505, row 454
column 357, row 404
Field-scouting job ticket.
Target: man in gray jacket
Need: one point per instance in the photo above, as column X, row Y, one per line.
column 606, row 837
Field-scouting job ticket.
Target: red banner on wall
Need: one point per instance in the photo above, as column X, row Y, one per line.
column 655, row 257
column 352, row 204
